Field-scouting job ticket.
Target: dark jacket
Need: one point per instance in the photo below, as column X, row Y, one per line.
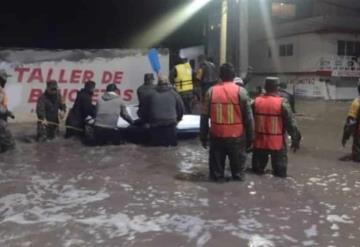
column 108, row 110
column 82, row 108
column 164, row 106
column 143, row 93
column 289, row 97
column 48, row 107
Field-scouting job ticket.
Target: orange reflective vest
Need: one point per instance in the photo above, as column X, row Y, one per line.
column 269, row 127
column 225, row 111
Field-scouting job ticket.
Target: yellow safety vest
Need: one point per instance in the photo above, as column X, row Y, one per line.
column 183, row 80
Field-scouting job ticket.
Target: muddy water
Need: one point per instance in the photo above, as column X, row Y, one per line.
column 63, row 194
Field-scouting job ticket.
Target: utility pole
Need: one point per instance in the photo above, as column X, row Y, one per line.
column 223, row 31
column 234, row 37
column 243, row 38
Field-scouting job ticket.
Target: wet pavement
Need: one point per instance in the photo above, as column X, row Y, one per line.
column 64, row 194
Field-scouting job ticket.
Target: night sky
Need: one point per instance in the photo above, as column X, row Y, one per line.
column 88, row 24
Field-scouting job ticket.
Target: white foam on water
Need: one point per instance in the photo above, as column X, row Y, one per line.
column 309, row 243
column 311, row 232
column 258, row 241
column 339, row 219
column 334, row 227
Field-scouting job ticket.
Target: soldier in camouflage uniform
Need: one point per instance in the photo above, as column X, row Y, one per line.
column 6, row 139
column 49, row 106
column 274, row 119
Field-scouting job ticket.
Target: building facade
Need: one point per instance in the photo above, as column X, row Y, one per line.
column 312, row 45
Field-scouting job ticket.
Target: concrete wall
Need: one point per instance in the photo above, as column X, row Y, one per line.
column 308, row 49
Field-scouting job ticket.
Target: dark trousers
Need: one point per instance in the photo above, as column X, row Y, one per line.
column 107, row 136
column 6, row 139
column 47, row 132
column 356, row 148
column 279, row 161
column 163, row 135
column 219, row 150
column 187, row 98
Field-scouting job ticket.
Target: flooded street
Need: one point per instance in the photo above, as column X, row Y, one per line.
column 63, row 194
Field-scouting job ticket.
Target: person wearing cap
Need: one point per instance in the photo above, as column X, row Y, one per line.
column 108, row 110
column 231, row 131
column 144, row 91
column 207, row 74
column 352, row 128
column 164, row 108
column 182, row 77
column 82, row 108
column 49, row 108
column 273, row 119
column 6, row 139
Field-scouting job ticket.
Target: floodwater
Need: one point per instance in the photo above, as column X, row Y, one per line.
column 63, row 194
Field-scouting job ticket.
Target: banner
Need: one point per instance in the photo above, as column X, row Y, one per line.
column 341, row 66
column 31, row 69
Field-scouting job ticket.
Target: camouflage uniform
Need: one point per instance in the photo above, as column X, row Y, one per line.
column 235, row 148
column 47, row 110
column 279, row 159
column 6, row 139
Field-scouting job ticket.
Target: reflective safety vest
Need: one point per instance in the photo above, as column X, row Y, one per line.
column 225, row 112
column 269, row 126
column 183, row 80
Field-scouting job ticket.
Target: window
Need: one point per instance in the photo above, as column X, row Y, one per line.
column 283, row 10
column 286, row 50
column 348, row 48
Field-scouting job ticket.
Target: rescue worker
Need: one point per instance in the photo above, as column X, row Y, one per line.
column 207, row 74
column 231, row 132
column 144, row 91
column 286, row 95
column 82, row 108
column 50, row 107
column 273, row 119
column 108, row 110
column 182, row 78
column 352, row 128
column 6, row 139
column 163, row 110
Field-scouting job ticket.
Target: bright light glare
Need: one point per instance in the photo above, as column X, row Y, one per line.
column 167, row 24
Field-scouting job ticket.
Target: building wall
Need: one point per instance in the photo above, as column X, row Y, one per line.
column 308, row 49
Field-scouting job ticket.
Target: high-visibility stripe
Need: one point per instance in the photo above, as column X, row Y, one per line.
column 230, row 112
column 219, row 116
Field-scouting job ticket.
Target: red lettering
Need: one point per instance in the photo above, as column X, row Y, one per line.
column 49, row 75
column 61, row 77
column 128, row 95
column 72, row 95
column 75, row 76
column 64, row 93
column 21, row 72
column 107, row 77
column 34, row 95
column 88, row 75
column 35, row 75
column 118, row 76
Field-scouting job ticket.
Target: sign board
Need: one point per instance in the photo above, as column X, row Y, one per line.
column 341, row 66
column 31, row 69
